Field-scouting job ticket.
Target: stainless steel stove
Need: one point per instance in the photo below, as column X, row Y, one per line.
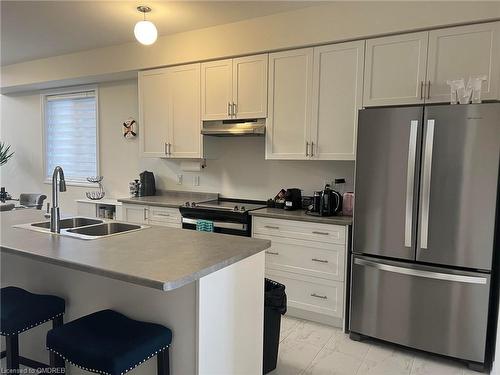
column 229, row 216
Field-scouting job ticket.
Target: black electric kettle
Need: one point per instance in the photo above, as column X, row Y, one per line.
column 327, row 202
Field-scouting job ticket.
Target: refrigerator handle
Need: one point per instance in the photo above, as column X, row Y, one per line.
column 422, row 273
column 410, row 181
column 426, row 184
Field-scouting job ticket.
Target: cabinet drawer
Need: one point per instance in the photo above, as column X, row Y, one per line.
column 300, row 230
column 307, row 293
column 164, row 214
column 305, row 257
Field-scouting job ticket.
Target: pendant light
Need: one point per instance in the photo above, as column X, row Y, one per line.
column 145, row 31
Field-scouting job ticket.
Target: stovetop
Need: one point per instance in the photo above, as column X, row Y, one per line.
column 227, row 205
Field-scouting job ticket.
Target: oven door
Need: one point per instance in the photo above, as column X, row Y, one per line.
column 225, row 227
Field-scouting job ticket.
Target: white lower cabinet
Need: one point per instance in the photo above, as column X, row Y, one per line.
column 153, row 215
column 310, row 260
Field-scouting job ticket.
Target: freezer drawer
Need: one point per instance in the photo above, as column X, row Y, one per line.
column 427, row 308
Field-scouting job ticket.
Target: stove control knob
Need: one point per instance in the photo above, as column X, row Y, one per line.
column 193, row 204
column 242, row 208
column 236, row 208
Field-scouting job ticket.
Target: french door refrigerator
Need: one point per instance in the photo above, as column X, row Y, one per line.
column 426, row 193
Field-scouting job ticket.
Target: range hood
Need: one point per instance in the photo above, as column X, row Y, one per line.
column 234, row 128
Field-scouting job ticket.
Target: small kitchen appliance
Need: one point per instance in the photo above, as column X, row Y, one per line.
column 147, row 186
column 293, row 199
column 325, row 203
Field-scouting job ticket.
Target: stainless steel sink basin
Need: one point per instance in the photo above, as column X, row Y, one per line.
column 104, row 229
column 72, row 222
column 84, row 227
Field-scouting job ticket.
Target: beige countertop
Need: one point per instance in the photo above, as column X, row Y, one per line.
column 157, row 257
column 170, row 198
column 301, row 215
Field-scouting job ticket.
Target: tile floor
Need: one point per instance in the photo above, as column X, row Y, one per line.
column 308, row 348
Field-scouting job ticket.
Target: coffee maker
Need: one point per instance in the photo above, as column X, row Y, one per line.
column 327, row 202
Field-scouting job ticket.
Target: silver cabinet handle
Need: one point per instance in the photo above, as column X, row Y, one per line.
column 307, row 148
column 322, row 233
column 421, row 90
column 160, row 214
column 170, row 149
column 312, row 148
column 271, row 227
column 165, row 148
column 319, row 260
column 422, row 273
column 229, row 109
column 426, row 184
column 410, row 180
column 145, row 214
column 235, row 109
column 429, row 90
column 272, row 253
column 318, row 296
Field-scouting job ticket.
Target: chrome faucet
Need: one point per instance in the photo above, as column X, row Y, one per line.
column 55, row 215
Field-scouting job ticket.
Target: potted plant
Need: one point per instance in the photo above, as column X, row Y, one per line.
column 5, row 155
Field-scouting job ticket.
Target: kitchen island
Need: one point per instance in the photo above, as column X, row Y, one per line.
column 208, row 288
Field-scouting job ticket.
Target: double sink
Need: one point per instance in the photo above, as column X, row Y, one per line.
column 85, row 228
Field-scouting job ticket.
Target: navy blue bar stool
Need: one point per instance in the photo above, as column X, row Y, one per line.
column 20, row 311
column 107, row 342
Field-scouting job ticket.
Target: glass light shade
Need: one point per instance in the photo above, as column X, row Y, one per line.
column 145, row 32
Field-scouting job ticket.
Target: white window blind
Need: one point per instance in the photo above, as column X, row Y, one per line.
column 71, row 135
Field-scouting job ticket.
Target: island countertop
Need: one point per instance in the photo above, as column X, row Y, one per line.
column 157, row 257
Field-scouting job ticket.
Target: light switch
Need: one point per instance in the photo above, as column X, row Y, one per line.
column 179, row 179
column 196, row 180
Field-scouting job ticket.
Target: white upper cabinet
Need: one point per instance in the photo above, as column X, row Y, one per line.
column 169, row 109
column 234, row 88
column 184, row 122
column 460, row 52
column 250, row 87
column 153, row 112
column 395, row 69
column 414, row 68
column 337, row 97
column 216, row 89
column 290, row 98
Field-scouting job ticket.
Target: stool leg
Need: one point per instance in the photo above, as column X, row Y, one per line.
column 12, row 349
column 163, row 362
column 57, row 362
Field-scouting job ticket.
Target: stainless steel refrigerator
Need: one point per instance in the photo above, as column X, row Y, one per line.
column 426, row 194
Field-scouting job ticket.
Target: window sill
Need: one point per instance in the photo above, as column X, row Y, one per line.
column 74, row 183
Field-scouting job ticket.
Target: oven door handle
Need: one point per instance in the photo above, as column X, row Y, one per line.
column 218, row 224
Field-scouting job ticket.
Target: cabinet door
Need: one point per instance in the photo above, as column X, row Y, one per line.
column 153, row 112
column 337, row 97
column 184, row 122
column 461, row 52
column 290, row 89
column 395, row 69
column 216, row 89
column 86, row 209
column 135, row 213
column 250, row 86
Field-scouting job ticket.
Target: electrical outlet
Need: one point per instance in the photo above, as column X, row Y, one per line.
column 196, row 180
column 179, row 179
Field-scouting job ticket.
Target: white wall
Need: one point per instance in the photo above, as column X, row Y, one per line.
column 236, row 166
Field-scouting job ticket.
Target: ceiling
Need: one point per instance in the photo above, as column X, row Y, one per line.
column 37, row 29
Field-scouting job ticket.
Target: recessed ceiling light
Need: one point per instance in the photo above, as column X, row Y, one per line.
column 145, row 31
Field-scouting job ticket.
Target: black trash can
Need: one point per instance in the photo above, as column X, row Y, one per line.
column 274, row 307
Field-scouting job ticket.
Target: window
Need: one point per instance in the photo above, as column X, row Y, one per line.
column 70, row 128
